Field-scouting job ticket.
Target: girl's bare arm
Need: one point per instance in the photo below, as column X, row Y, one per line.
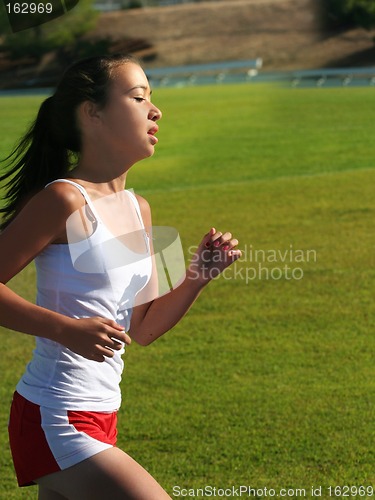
column 40, row 223
column 153, row 319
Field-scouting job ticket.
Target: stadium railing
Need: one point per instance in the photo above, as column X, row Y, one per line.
column 199, row 73
column 329, row 76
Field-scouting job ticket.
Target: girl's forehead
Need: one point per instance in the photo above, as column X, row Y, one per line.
column 128, row 76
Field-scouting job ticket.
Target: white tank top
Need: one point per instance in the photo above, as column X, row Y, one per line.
column 57, row 377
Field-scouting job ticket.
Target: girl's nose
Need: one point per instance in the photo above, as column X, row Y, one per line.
column 155, row 114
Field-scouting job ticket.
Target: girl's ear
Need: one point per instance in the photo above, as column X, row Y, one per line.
column 88, row 112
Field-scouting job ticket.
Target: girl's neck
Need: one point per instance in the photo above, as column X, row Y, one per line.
column 102, row 178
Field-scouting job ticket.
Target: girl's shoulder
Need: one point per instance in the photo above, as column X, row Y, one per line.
column 143, row 203
column 62, row 196
column 40, row 222
column 66, row 192
column 145, row 210
column 52, row 206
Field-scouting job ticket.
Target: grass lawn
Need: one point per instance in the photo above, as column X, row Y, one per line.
column 269, row 381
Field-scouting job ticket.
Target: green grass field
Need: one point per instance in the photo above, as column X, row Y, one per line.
column 269, row 381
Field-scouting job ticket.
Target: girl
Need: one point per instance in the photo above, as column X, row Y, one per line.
column 62, row 213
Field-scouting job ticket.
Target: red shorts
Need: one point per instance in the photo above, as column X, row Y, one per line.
column 45, row 440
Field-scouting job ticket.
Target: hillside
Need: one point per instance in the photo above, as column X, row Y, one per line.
column 285, row 33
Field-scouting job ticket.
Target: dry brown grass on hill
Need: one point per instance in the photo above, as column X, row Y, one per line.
column 284, row 33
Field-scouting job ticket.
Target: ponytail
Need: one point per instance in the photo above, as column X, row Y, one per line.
column 46, row 150
column 38, row 159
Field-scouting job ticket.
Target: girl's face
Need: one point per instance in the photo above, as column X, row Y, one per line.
column 128, row 120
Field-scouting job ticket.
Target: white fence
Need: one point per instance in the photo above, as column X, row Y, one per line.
column 329, row 77
column 219, row 72
column 111, row 5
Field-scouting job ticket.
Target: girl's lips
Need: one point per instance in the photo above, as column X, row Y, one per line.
column 154, row 140
column 151, row 133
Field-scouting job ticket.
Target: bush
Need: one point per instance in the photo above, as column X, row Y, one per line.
column 35, row 42
column 135, row 4
column 345, row 14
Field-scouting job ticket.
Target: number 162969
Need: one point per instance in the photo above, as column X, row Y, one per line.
column 29, row 8
column 351, row 491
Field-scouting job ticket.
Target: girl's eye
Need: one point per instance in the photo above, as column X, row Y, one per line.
column 139, row 99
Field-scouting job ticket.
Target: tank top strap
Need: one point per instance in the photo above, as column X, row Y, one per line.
column 83, row 192
column 136, row 206
column 91, row 205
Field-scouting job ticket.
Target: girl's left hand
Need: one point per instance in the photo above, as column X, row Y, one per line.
column 215, row 253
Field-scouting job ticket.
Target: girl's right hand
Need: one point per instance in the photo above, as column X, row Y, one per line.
column 215, row 253
column 93, row 338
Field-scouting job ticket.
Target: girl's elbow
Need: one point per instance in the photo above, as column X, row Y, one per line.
column 143, row 340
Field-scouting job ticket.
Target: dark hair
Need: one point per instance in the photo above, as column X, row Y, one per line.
column 45, row 152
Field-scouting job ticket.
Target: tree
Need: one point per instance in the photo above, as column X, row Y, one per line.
column 62, row 32
column 345, row 14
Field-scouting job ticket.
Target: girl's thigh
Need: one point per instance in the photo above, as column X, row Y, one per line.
column 109, row 474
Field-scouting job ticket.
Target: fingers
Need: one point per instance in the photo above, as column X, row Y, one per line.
column 218, row 240
column 112, row 339
column 117, row 334
column 207, row 237
column 94, row 338
column 127, row 340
